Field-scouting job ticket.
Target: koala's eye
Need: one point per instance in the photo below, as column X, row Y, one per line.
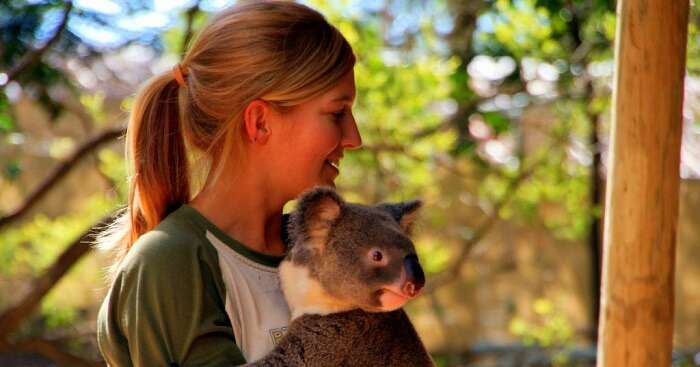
column 376, row 257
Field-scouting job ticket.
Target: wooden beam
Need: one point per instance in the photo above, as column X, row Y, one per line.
column 636, row 325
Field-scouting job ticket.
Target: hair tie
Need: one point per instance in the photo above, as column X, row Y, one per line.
column 179, row 75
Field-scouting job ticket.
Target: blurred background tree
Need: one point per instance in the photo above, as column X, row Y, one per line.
column 494, row 112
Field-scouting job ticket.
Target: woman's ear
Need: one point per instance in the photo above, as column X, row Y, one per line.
column 255, row 119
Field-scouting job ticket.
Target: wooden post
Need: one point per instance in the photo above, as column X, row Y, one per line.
column 636, row 324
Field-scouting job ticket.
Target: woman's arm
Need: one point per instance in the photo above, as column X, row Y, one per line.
column 165, row 307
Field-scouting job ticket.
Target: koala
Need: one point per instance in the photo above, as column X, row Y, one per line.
column 348, row 272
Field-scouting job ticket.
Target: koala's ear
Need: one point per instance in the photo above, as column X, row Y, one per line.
column 405, row 213
column 316, row 212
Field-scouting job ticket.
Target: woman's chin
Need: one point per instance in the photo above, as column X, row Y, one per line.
column 329, row 174
column 327, row 181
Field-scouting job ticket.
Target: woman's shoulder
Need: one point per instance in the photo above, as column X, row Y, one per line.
column 174, row 242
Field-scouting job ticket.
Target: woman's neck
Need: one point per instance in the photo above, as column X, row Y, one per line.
column 245, row 210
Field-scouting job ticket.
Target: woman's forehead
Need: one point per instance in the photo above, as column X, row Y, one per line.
column 343, row 91
column 339, row 97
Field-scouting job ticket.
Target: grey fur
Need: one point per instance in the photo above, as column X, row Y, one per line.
column 331, row 238
column 352, row 338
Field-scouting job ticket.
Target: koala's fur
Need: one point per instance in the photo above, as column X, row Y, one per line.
column 344, row 312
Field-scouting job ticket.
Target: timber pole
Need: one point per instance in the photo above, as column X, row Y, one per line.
column 636, row 323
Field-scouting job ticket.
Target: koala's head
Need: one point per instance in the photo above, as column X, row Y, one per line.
column 347, row 256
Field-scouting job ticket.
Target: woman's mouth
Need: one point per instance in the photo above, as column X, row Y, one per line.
column 334, row 163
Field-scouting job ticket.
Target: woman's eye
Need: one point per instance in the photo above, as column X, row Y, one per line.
column 339, row 115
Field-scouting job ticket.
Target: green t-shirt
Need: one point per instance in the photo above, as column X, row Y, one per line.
column 177, row 291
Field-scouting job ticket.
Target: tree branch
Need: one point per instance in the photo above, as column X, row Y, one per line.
column 11, row 318
column 453, row 270
column 60, row 171
column 48, row 349
column 33, row 56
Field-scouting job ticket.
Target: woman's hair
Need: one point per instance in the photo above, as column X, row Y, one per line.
column 277, row 51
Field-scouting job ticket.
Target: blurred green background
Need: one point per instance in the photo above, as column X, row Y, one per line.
column 496, row 113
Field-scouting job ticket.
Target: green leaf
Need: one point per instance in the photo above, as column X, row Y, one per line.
column 499, row 122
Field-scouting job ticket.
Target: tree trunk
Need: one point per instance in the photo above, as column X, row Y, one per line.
column 636, row 325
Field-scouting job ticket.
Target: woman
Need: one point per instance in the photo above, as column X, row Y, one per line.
column 261, row 103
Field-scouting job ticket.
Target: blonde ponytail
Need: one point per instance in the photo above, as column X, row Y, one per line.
column 158, row 167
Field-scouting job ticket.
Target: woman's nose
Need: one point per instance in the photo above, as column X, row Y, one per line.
column 351, row 138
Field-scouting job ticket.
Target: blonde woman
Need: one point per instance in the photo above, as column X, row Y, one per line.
column 263, row 97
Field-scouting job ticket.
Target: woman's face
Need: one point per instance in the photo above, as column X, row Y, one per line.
column 311, row 137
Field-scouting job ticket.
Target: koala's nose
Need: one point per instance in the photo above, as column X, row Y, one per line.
column 415, row 279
